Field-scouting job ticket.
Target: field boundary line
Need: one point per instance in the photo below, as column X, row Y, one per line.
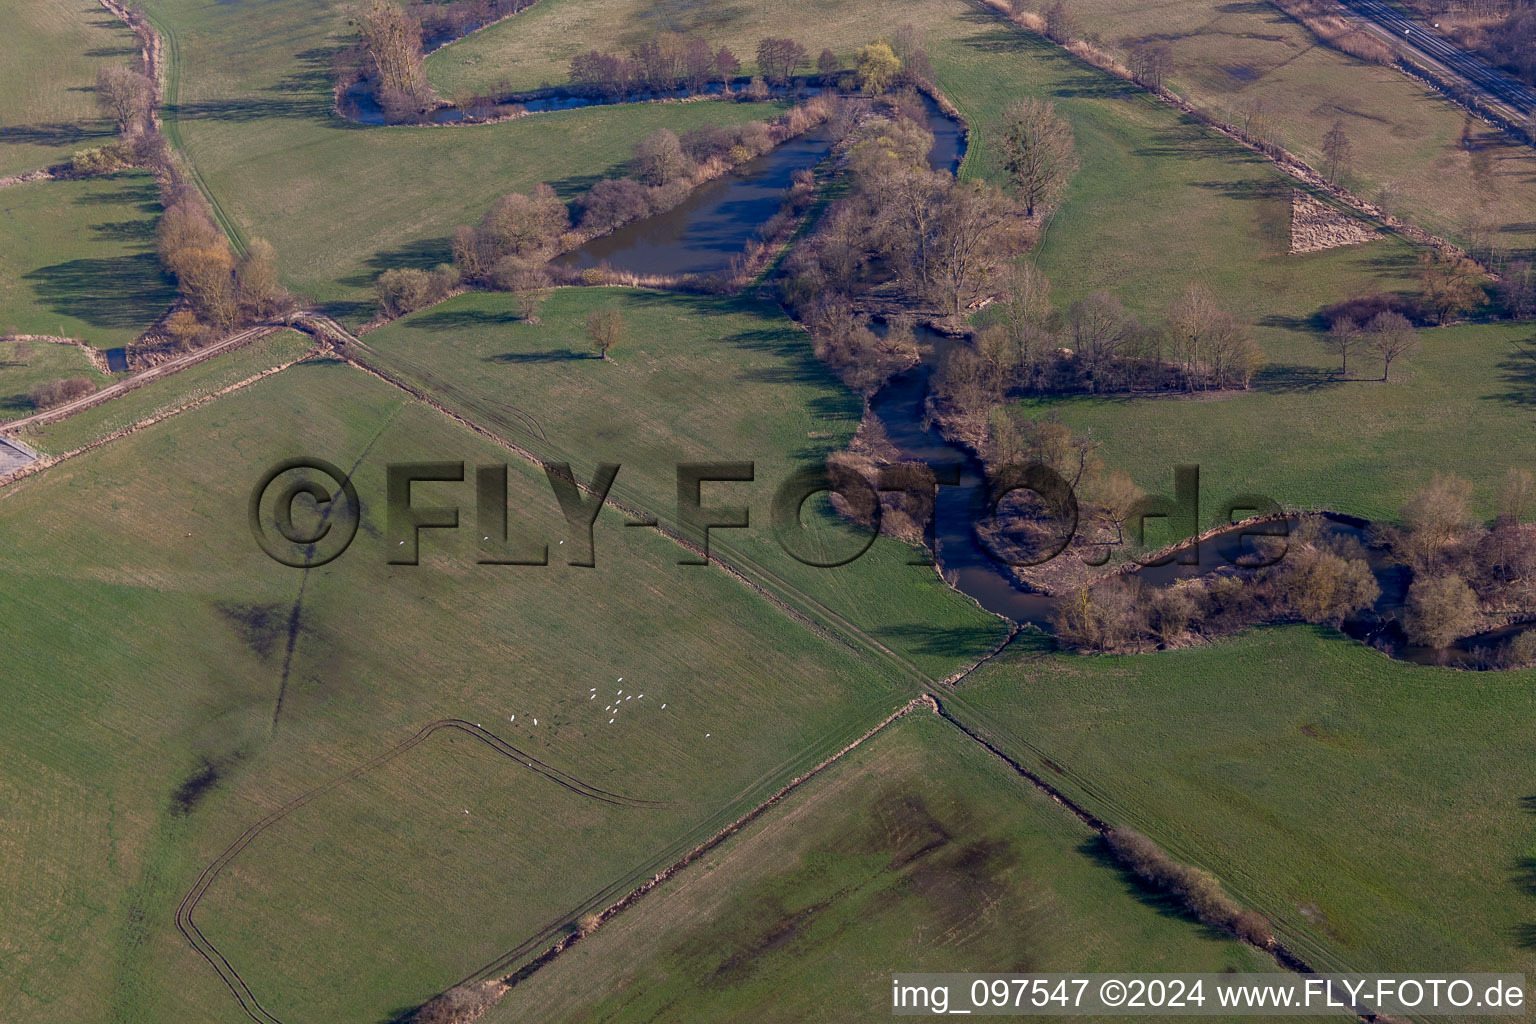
column 1282, row 159
column 210, row 874
column 46, row 461
column 1283, row 954
column 138, row 380
column 511, row 981
column 839, row 631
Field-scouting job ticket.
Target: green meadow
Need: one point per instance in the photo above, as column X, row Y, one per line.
column 233, row 684
column 48, row 65
column 1369, row 807
column 918, row 851
column 77, row 259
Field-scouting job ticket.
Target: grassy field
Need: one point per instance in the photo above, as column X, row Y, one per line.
column 206, row 657
column 1366, row 805
column 1160, row 201
column 26, row 364
column 50, row 51
column 918, row 852
column 535, row 48
column 696, row 380
column 243, row 108
column 167, row 393
column 1229, row 56
column 343, row 202
column 1307, row 438
column 77, row 259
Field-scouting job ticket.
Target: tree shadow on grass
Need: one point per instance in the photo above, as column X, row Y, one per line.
column 423, row 254
column 348, row 310
column 1097, row 850
column 576, row 184
column 552, row 356
column 462, row 320
column 1517, row 373
column 122, row 292
column 140, row 193
column 941, row 641
column 141, row 231
column 54, row 133
column 1294, row 379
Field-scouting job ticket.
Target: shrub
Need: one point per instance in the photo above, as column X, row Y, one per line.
column 1197, row 890
column 659, row 158
column 57, row 392
column 1252, row 926
column 1521, row 649
column 406, row 289
column 612, row 202
column 102, row 160
column 1440, row 609
column 459, row 1004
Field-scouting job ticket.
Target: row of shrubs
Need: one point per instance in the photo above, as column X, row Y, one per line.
column 1199, row 892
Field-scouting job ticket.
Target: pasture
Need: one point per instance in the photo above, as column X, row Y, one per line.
column 217, row 685
column 77, row 259
column 343, row 202
column 166, row 394
column 1310, row 439
column 26, row 364
column 1238, row 58
column 918, row 851
column 53, row 49
column 1367, row 806
column 696, row 379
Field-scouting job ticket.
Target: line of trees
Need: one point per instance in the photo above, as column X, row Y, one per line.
column 220, row 292
column 666, row 61
column 1092, row 346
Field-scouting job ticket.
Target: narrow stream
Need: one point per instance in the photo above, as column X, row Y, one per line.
column 901, row 408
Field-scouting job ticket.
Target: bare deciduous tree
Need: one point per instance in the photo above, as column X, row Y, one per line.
column 605, row 329
column 126, row 96
column 1392, row 337
column 1151, row 64
column 1343, row 337
column 1038, row 151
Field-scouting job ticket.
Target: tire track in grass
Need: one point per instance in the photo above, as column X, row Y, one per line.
column 189, row 903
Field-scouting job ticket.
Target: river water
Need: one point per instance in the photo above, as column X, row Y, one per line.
column 717, row 220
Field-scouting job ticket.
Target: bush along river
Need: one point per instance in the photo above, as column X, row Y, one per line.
column 902, row 409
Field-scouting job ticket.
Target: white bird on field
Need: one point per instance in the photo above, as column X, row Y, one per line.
column 512, row 718
column 663, row 705
column 535, row 721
